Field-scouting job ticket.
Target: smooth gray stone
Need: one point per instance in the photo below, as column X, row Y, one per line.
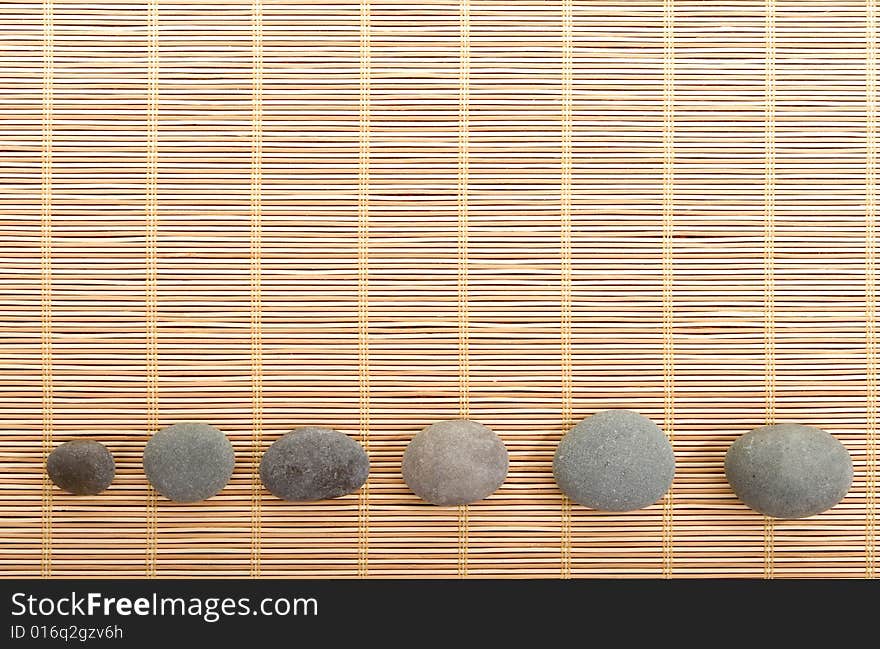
column 789, row 470
column 616, row 461
column 189, row 461
column 314, row 463
column 82, row 467
column 455, row 463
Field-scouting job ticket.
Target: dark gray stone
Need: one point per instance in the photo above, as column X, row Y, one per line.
column 789, row 470
column 82, row 467
column 616, row 461
column 189, row 461
column 455, row 463
column 314, row 463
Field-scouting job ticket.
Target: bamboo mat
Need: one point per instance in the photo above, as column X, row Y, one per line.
column 376, row 215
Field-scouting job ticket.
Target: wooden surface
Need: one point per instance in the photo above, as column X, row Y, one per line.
column 373, row 216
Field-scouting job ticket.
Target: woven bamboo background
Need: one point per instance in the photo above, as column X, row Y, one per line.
column 376, row 215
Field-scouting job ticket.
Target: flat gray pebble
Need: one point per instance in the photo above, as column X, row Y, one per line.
column 455, row 463
column 314, row 463
column 616, row 461
column 789, row 470
column 82, row 467
column 189, row 461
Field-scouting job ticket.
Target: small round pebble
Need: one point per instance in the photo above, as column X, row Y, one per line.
column 189, row 461
column 616, row 461
column 82, row 467
column 314, row 463
column 789, row 470
column 455, row 463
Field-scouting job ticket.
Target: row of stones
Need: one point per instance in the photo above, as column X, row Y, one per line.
column 616, row 460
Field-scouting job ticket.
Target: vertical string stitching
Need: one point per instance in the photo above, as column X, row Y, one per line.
column 256, row 235
column 463, row 315
column 769, row 252
column 364, row 281
column 668, row 267
column 151, row 306
column 565, row 307
column 871, row 288
column 463, row 519
column 46, row 282
column 462, row 202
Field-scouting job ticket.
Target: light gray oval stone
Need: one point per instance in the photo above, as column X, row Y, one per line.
column 189, row 461
column 789, row 470
column 314, row 463
column 455, row 463
column 82, row 467
column 616, row 461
